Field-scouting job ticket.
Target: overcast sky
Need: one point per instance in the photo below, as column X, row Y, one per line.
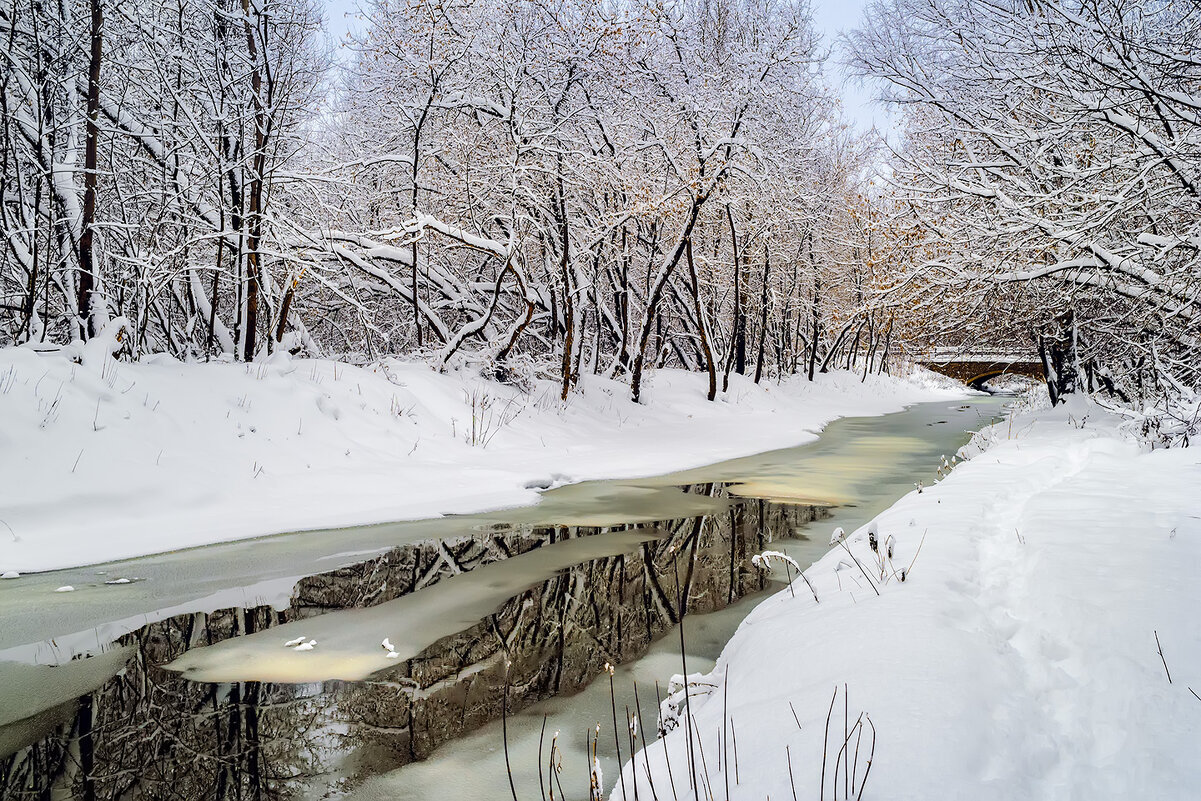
column 830, row 17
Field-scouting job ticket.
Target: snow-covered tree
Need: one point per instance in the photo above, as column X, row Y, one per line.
column 1052, row 162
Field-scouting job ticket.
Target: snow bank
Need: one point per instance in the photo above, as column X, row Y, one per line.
column 105, row 459
column 1019, row 658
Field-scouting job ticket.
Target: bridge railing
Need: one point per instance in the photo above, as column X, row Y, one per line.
column 999, row 356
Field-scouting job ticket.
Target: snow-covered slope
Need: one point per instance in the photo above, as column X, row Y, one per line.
column 104, row 459
column 1020, row 658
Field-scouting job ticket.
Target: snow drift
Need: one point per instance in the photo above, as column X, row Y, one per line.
column 104, row 459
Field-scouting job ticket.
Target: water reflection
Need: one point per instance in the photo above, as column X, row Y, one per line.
column 356, row 642
column 462, row 614
column 37, row 699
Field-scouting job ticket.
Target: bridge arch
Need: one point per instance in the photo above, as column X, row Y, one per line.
column 977, row 382
column 975, row 369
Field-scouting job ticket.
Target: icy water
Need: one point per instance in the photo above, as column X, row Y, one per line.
column 171, row 678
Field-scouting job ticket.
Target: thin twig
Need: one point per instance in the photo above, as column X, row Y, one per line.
column 861, row 570
column 684, row 667
column 844, row 759
column 825, row 740
column 725, row 747
column 916, row 554
column 810, row 586
column 663, row 740
column 846, row 738
column 590, row 752
column 504, row 724
column 541, row 784
column 616, row 738
column 700, row 748
column 871, row 755
column 858, row 740
column 734, row 740
column 1165, row 662
column 559, row 781
column 791, row 781
column 633, row 754
column 646, row 748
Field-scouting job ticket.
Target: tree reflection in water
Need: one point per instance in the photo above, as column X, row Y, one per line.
column 150, row 733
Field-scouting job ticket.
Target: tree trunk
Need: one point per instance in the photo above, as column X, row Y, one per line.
column 212, row 321
column 569, row 310
column 736, row 357
column 706, row 349
column 654, row 295
column 1060, row 359
column 285, row 306
column 816, row 322
column 763, row 314
column 254, row 216
column 816, row 310
column 87, row 300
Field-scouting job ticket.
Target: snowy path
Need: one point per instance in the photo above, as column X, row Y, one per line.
column 105, row 460
column 1018, row 659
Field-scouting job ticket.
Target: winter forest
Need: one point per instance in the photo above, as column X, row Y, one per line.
column 386, row 406
column 604, row 188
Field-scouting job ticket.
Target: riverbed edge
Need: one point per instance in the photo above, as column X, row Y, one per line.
column 115, row 460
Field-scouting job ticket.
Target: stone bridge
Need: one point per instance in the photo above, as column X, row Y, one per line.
column 975, row 367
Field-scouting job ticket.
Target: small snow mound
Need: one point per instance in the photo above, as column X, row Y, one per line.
column 328, row 407
column 554, row 481
column 10, row 574
column 108, row 342
column 65, row 588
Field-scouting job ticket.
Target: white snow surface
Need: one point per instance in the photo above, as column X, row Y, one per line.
column 104, row 459
column 1018, row 660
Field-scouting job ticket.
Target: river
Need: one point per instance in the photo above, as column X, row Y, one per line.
column 423, row 633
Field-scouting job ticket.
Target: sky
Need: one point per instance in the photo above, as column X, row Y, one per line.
column 830, row 18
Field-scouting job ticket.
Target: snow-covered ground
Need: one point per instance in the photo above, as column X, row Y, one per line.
column 1010, row 384
column 1019, row 659
column 105, row 459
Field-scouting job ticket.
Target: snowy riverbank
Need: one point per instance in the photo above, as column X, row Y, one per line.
column 105, row 460
column 1018, row 660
